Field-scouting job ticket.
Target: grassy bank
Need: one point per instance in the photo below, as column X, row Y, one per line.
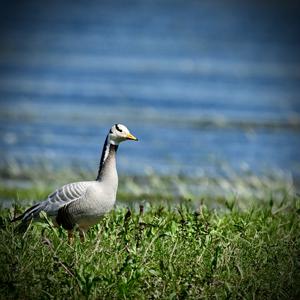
column 25, row 185
column 159, row 252
column 167, row 239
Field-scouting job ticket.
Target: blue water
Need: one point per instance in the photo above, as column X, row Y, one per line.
column 201, row 83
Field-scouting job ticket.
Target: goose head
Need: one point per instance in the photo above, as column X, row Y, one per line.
column 120, row 133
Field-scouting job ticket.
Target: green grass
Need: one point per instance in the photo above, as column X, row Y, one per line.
column 161, row 252
column 240, row 242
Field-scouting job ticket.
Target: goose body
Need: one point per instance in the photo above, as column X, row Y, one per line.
column 84, row 203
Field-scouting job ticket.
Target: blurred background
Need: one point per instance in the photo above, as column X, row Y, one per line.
column 211, row 88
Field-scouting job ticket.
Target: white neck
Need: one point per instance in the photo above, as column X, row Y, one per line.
column 107, row 166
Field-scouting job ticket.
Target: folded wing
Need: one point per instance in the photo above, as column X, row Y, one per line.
column 61, row 197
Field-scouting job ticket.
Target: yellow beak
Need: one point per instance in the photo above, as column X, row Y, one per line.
column 131, row 137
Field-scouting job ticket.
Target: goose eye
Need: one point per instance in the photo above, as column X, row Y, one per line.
column 110, row 131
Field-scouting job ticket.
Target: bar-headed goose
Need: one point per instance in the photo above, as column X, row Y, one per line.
column 83, row 203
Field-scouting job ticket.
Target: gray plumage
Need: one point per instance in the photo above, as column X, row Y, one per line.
column 83, row 203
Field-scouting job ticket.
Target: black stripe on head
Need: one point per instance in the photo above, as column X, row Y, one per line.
column 118, row 128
